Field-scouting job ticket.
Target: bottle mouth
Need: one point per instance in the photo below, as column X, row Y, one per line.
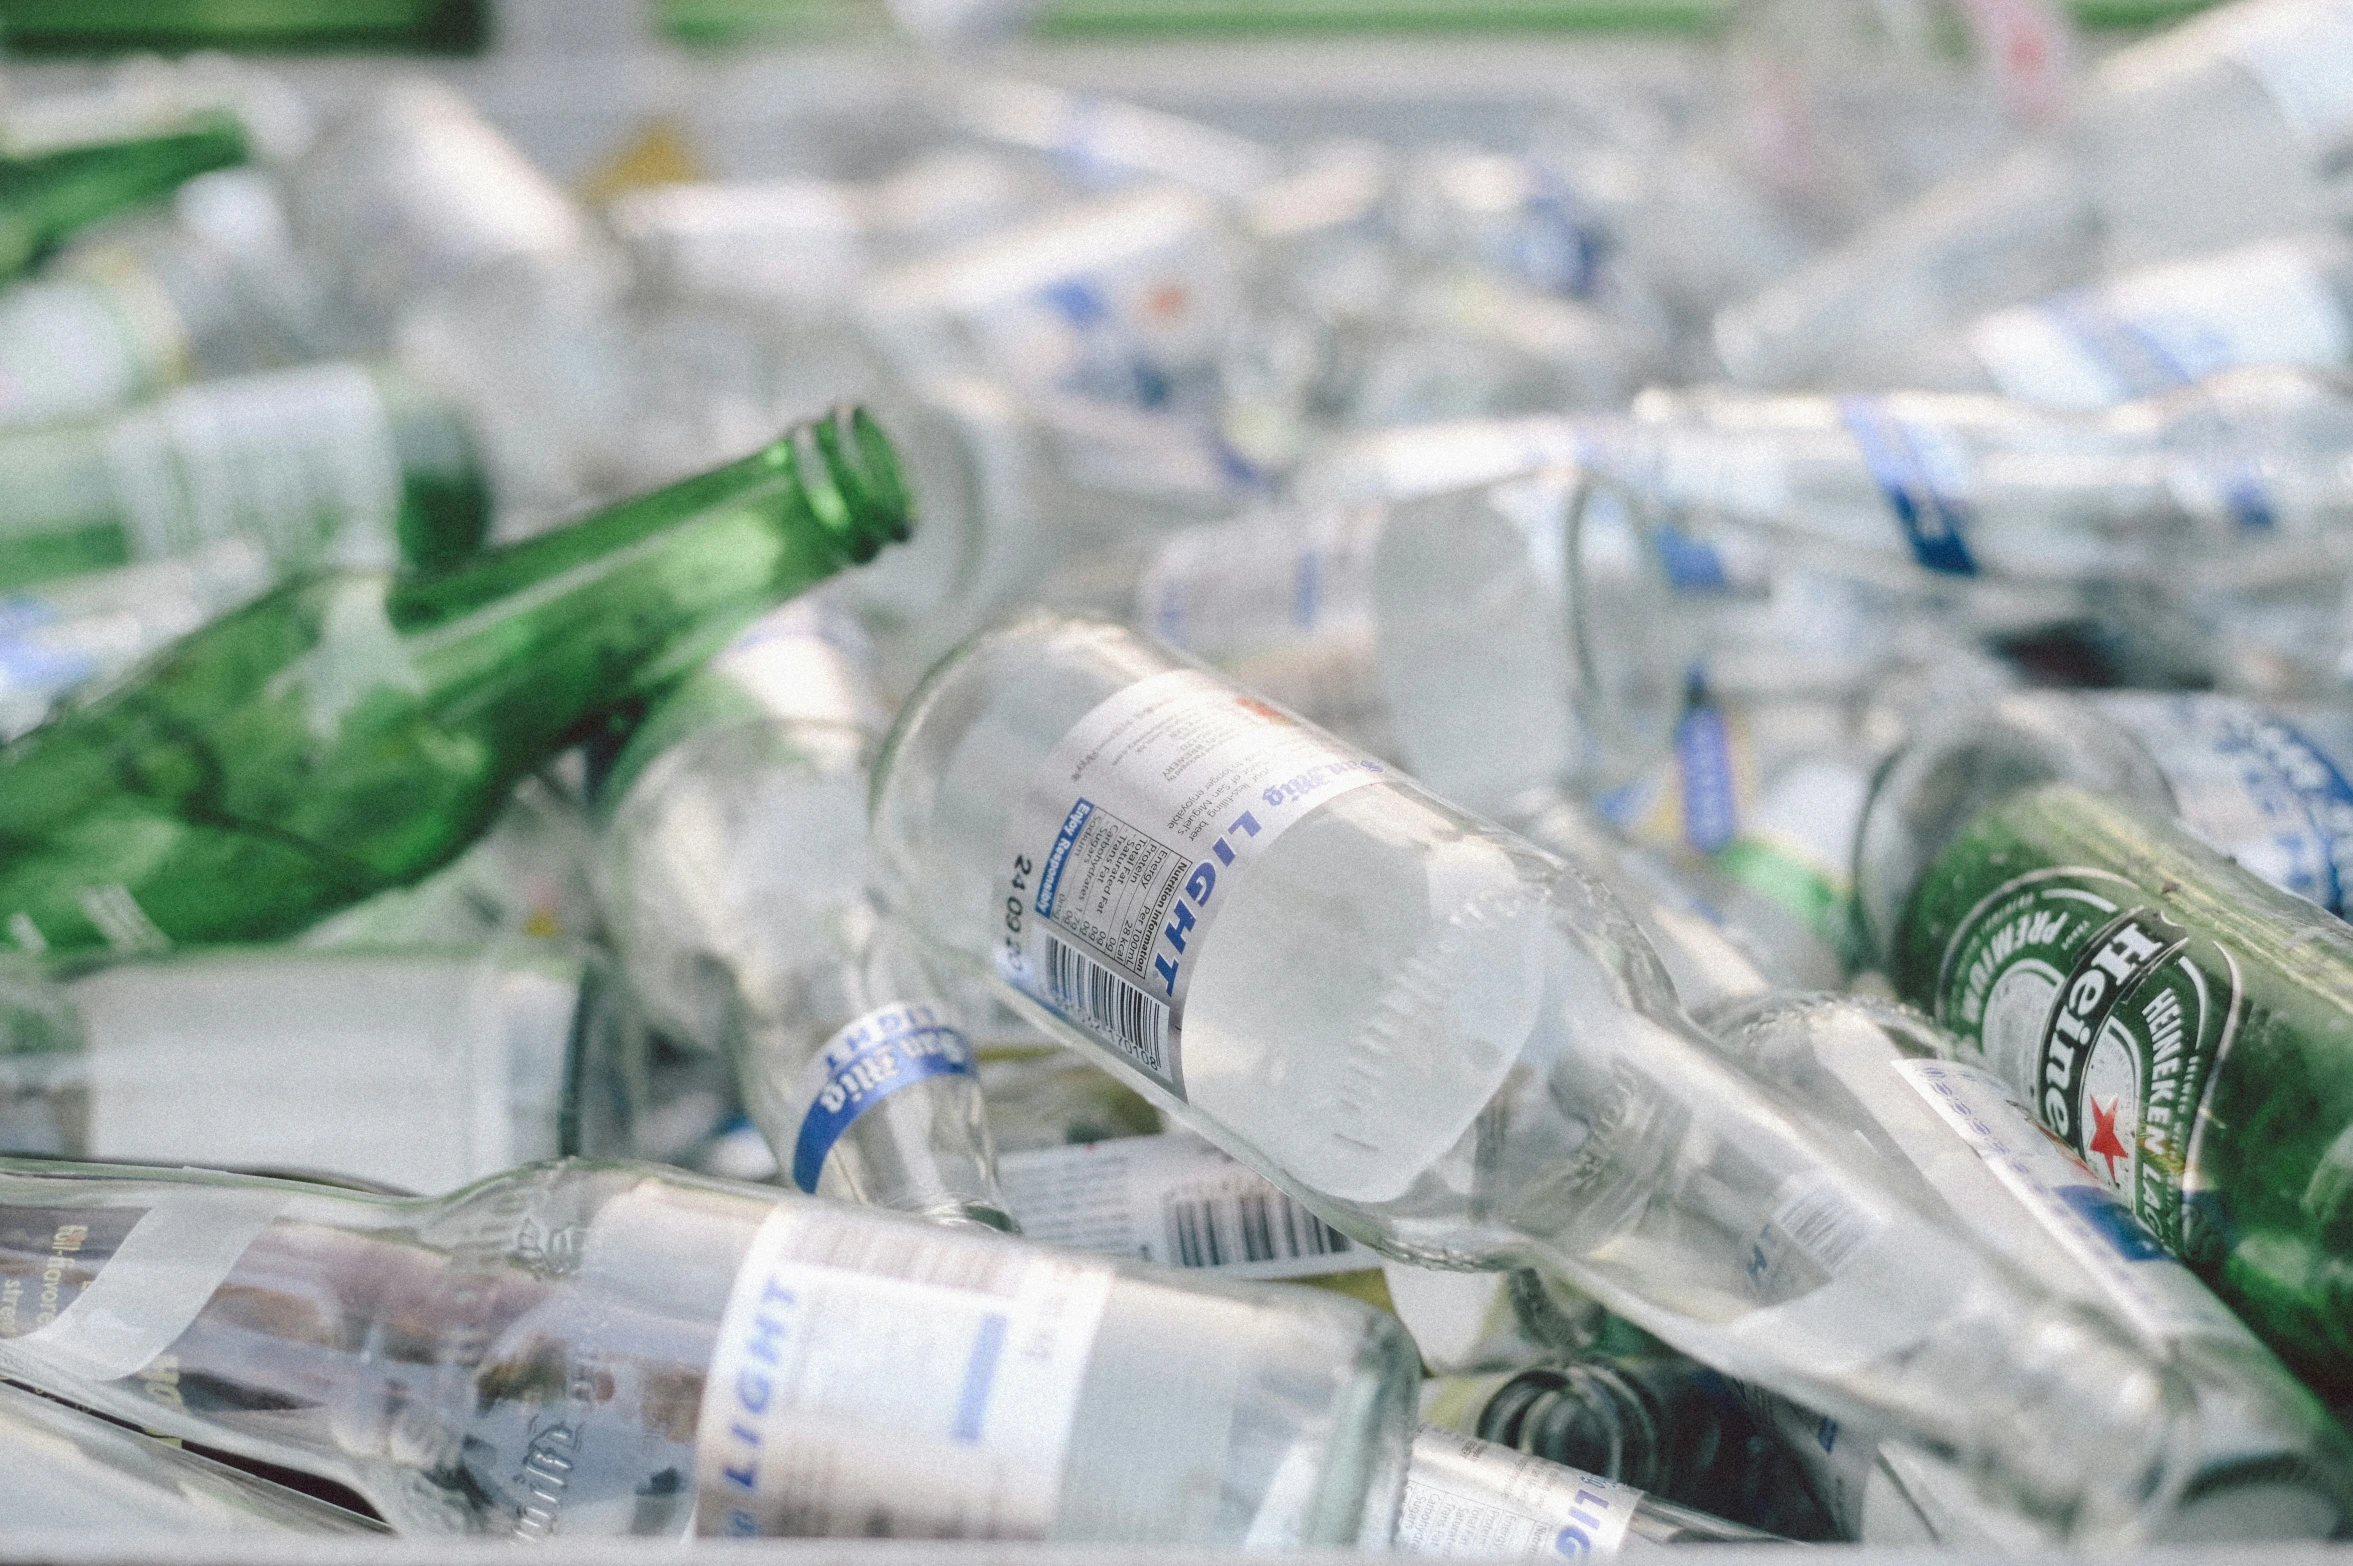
column 850, row 474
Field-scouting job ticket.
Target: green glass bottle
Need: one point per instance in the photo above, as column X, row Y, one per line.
column 2183, row 1026
column 46, row 195
column 53, row 27
column 336, row 464
column 353, row 730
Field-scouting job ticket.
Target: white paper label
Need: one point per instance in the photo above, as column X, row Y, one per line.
column 1171, row 1199
column 2145, row 1285
column 1471, row 1499
column 300, row 461
column 2167, row 326
column 2302, row 53
column 2252, row 787
column 1129, row 842
column 878, row 1379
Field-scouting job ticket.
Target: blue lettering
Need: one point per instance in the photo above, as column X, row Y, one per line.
column 1204, row 878
column 1176, row 931
column 753, row 1390
column 1168, row 975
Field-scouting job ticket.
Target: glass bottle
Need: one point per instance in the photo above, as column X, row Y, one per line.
column 2177, row 1022
column 354, row 730
column 1548, row 1111
column 48, row 193
column 576, row 1349
column 1471, row 1499
column 731, row 867
column 327, row 464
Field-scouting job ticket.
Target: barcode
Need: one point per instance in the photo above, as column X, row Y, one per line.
column 1098, row 996
column 1248, row 1226
column 1825, row 1225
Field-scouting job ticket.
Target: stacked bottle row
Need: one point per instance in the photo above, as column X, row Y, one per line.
column 1252, row 901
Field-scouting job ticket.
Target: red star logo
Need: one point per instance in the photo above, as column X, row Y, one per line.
column 2105, row 1143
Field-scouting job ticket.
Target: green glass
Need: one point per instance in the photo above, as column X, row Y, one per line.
column 2185, row 1028
column 46, row 196
column 354, row 730
column 300, row 461
column 104, row 26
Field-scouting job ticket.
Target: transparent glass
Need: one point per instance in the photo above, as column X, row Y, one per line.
column 2270, row 1460
column 1458, row 1049
column 420, row 1072
column 528, row 1357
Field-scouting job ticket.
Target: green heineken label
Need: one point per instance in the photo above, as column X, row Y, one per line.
column 2185, row 1027
column 2106, row 1013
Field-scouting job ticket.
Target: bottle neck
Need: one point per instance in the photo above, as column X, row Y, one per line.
column 524, row 644
column 45, row 197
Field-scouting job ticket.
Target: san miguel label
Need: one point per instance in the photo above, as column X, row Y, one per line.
column 2105, row 1014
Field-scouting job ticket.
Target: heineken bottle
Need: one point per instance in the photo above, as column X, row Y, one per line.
column 326, row 464
column 48, row 193
column 732, row 871
column 2184, row 1026
column 354, row 730
column 578, row 1350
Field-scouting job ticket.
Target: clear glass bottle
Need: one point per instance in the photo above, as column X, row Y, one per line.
column 2219, row 131
column 71, row 1472
column 324, row 465
column 575, row 1349
column 422, row 1072
column 212, row 289
column 2271, row 1463
column 1655, row 1422
column 1471, row 1499
column 732, row 868
column 1061, row 800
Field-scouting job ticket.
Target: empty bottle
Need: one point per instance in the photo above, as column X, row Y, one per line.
column 2176, row 1021
column 2282, row 301
column 1072, row 810
column 71, row 1471
column 1655, row 1422
column 732, row 870
column 416, row 1071
column 2220, row 131
column 354, row 730
column 2270, row 1461
column 1471, row 1499
column 47, row 193
column 331, row 464
column 575, row 1350
column 214, row 289
column 76, row 633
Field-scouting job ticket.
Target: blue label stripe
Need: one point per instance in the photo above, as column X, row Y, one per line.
column 980, row 1376
column 1050, row 878
column 868, row 1064
column 1935, row 522
column 1703, row 760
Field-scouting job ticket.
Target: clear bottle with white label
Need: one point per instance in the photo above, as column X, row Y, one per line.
column 1455, row 1047
column 2146, row 331
column 576, row 1349
column 69, row 1471
column 1468, row 1499
column 2270, row 1462
column 2225, row 129
column 2266, row 788
column 419, row 1071
column 731, row 865
column 335, row 463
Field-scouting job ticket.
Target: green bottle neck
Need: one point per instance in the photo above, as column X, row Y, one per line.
column 46, row 197
column 526, row 644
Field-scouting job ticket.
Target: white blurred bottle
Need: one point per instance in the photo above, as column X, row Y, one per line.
column 2224, row 129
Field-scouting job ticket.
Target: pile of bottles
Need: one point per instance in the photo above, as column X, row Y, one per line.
column 616, row 812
